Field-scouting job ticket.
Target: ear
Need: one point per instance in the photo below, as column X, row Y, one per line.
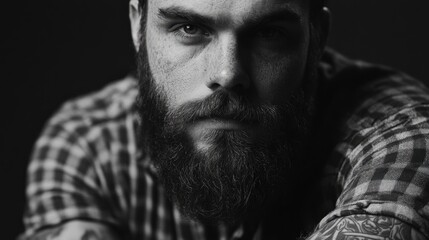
column 135, row 14
column 325, row 26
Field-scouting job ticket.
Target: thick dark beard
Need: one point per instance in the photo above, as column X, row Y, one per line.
column 236, row 176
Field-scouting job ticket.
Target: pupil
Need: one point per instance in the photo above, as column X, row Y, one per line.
column 190, row 29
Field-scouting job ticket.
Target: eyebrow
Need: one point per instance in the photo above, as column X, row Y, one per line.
column 186, row 14
column 283, row 14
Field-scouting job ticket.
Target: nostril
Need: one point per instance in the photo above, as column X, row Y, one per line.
column 214, row 85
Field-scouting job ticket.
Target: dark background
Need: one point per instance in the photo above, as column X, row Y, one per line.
column 59, row 49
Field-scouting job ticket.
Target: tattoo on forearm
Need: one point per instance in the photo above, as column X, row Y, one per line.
column 366, row 227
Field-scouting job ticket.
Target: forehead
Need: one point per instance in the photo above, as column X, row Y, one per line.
column 234, row 11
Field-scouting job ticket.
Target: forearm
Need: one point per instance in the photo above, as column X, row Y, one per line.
column 366, row 227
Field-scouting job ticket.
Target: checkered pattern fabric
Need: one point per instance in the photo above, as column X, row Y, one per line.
column 380, row 162
column 86, row 164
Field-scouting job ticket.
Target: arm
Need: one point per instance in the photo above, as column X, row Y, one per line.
column 76, row 230
column 366, row 227
column 66, row 183
column 380, row 166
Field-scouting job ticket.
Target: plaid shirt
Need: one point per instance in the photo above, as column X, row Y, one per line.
column 374, row 124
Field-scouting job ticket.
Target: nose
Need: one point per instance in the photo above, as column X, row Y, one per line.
column 228, row 66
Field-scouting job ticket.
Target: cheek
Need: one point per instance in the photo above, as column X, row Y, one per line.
column 173, row 68
column 277, row 78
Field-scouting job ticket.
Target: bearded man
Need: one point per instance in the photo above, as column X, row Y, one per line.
column 240, row 125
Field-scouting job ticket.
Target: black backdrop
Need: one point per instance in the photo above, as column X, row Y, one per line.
column 54, row 50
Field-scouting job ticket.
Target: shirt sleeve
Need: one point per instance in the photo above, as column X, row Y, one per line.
column 63, row 180
column 384, row 166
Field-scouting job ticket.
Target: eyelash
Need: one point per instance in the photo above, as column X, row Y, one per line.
column 179, row 31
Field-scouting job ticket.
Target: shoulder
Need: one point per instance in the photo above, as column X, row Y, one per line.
column 359, row 102
column 98, row 128
column 373, row 110
column 357, row 93
column 113, row 101
column 95, row 122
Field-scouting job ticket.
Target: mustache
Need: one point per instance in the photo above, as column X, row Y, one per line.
column 225, row 105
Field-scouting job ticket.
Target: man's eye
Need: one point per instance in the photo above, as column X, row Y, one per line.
column 190, row 34
column 190, row 30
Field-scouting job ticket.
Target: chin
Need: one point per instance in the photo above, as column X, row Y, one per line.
column 224, row 175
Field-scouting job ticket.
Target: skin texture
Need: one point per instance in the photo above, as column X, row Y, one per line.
column 76, row 230
column 366, row 227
